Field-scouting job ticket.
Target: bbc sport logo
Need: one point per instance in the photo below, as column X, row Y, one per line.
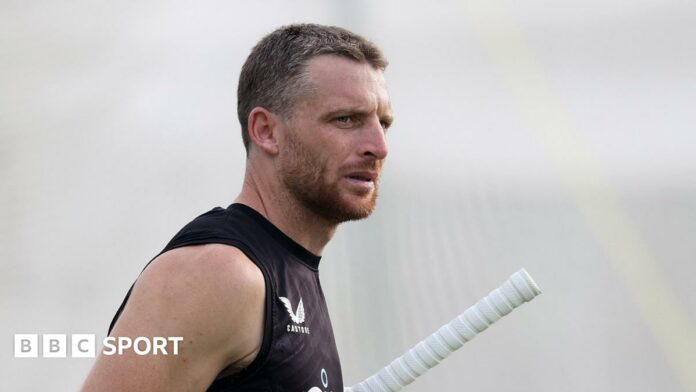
column 85, row 345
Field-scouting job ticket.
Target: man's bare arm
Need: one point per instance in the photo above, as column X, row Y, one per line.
column 211, row 295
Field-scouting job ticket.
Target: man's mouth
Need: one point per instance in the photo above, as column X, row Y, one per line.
column 362, row 182
column 366, row 176
column 360, row 178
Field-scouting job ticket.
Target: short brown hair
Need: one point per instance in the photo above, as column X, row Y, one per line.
column 272, row 76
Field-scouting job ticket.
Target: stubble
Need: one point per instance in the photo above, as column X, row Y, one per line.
column 305, row 176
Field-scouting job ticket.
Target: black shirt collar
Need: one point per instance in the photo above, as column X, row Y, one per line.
column 304, row 255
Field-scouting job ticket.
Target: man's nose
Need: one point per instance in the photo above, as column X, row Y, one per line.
column 375, row 142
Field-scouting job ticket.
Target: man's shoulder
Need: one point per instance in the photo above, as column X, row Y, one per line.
column 212, row 262
column 209, row 220
column 229, row 225
column 212, row 296
column 211, row 287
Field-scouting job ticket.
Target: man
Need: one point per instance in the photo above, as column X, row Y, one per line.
column 241, row 284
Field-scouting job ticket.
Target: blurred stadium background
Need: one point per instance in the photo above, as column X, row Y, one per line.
column 556, row 136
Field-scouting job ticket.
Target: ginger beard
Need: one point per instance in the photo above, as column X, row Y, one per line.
column 305, row 176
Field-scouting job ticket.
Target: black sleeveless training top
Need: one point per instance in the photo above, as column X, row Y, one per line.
column 298, row 353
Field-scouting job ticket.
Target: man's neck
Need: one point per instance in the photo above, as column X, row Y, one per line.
column 287, row 214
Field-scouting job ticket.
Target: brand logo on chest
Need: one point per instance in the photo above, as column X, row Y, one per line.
column 324, row 382
column 297, row 317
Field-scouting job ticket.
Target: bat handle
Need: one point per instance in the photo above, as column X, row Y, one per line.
column 515, row 291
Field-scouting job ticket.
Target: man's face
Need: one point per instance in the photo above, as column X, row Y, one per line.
column 334, row 145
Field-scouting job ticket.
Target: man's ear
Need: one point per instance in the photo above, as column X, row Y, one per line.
column 263, row 130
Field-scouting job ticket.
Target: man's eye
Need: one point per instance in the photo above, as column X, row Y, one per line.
column 346, row 121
